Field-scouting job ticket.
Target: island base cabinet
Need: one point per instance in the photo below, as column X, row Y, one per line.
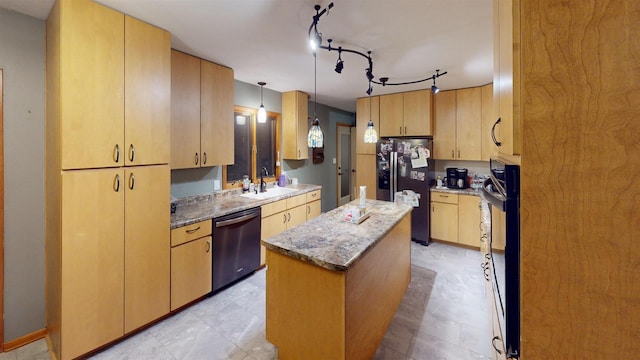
column 337, row 314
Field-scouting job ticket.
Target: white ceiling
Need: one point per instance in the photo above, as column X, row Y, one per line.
column 266, row 40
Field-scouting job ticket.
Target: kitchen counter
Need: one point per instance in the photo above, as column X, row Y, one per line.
column 193, row 209
column 332, row 242
column 468, row 191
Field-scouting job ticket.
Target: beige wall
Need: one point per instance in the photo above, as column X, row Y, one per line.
column 22, row 56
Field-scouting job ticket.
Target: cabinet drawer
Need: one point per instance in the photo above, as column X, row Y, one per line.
column 444, row 198
column 274, row 207
column 187, row 233
column 313, row 195
column 296, row 201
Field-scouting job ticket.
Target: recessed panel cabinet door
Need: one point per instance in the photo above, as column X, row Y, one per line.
column 147, row 93
column 147, row 245
column 91, row 86
column 92, row 259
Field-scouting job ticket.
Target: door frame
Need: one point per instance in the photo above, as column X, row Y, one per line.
column 1, row 211
column 338, row 127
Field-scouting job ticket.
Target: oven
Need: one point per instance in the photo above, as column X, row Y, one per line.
column 502, row 191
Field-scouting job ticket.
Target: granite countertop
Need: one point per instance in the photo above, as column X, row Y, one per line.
column 204, row 207
column 331, row 242
column 468, row 191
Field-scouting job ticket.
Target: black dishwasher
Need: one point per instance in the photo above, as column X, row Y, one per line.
column 236, row 246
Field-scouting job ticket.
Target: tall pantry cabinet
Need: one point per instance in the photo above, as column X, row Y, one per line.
column 107, row 175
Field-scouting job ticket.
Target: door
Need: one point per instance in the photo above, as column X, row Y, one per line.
column 343, row 156
column 354, row 162
column 185, row 111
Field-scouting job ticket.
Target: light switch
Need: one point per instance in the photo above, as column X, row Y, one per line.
column 334, row 160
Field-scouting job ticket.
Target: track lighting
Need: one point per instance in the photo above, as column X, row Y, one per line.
column 262, row 113
column 370, row 134
column 339, row 63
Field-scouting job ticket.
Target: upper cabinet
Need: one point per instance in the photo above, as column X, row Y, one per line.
column 201, row 113
column 295, row 116
column 406, row 114
column 489, row 148
column 114, row 88
column 366, row 109
column 506, row 75
column 457, row 124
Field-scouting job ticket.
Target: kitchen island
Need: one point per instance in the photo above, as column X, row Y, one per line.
column 333, row 286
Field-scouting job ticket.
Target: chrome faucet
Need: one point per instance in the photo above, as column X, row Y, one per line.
column 263, row 185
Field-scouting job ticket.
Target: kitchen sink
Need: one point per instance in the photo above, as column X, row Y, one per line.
column 271, row 192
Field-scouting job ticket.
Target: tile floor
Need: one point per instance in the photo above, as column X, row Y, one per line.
column 442, row 316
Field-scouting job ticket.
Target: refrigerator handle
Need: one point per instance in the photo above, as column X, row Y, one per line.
column 394, row 176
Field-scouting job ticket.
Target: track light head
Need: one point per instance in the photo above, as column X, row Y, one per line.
column 369, row 90
column 434, row 89
column 339, row 66
column 315, row 40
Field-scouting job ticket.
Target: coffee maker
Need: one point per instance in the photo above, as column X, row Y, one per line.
column 457, row 178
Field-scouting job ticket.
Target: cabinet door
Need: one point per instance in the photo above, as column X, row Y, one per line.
column 295, row 122
column 147, row 244
column 444, row 221
column 296, row 216
column 468, row 123
column 91, row 86
column 469, row 220
column 313, row 209
column 92, row 259
column 366, row 175
column 417, row 113
column 147, row 113
column 391, row 115
column 190, row 271
column 272, row 225
column 363, row 115
column 216, row 115
column 185, row 111
column 489, row 148
column 444, row 125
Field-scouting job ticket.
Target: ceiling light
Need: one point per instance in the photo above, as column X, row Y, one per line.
column 370, row 134
column 315, row 138
column 339, row 63
column 262, row 113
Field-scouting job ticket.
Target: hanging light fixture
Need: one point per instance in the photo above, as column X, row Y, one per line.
column 315, row 138
column 434, row 88
column 262, row 113
column 370, row 134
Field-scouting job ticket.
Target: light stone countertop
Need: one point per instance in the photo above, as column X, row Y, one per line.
column 468, row 191
column 193, row 209
column 331, row 242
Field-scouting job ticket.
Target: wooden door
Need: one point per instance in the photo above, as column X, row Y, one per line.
column 190, row 271
column 391, row 115
column 469, row 220
column 295, row 122
column 91, row 86
column 468, row 123
column 509, row 60
column 363, row 115
column 489, row 148
column 147, row 244
column 444, row 125
column 216, row 114
column 271, row 225
column 313, row 209
column 296, row 216
column 417, row 113
column 444, row 221
column 366, row 175
column 147, row 113
column 185, row 111
column 92, row 259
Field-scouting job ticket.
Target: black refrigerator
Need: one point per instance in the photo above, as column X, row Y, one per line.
column 404, row 167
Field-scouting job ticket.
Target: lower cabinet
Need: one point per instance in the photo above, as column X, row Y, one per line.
column 469, row 220
column 456, row 218
column 191, row 263
column 314, row 205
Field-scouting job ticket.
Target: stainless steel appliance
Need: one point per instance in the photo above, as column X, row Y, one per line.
column 406, row 164
column 502, row 190
column 236, row 246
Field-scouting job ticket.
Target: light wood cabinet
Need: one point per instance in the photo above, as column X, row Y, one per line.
column 366, row 111
column 147, row 239
column 201, row 113
column 366, row 175
column 314, row 204
column 489, row 148
column 444, row 217
column 457, row 124
column 406, row 114
column 469, row 220
column 506, row 75
column 191, row 263
column 295, row 123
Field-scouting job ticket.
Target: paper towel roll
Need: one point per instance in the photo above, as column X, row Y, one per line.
column 363, row 195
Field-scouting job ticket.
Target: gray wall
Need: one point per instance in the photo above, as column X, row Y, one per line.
column 22, row 56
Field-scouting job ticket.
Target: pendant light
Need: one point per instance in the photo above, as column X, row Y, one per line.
column 370, row 134
column 262, row 113
column 315, row 138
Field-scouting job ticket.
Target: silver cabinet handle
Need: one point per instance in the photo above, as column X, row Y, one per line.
column 132, row 181
column 132, row 152
column 458, row 153
column 116, row 183
column 288, row 217
column 197, row 159
column 308, row 209
column 405, row 130
column 191, row 231
column 284, row 218
column 204, row 158
column 208, row 246
column 400, row 130
column 116, row 153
